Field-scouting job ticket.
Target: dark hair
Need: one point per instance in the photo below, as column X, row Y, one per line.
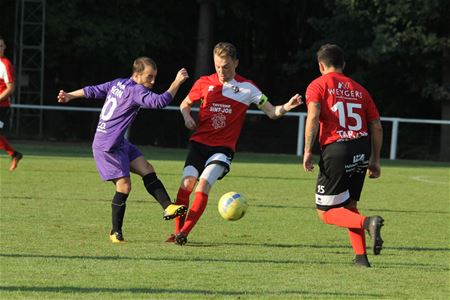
column 331, row 55
column 223, row 49
column 140, row 63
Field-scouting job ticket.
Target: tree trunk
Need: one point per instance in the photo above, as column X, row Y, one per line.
column 204, row 38
column 445, row 108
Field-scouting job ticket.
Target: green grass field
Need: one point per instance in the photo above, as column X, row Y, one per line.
column 55, row 219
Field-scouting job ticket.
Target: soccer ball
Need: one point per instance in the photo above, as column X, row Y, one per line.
column 232, row 206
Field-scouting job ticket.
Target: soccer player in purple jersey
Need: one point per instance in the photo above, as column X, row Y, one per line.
column 116, row 157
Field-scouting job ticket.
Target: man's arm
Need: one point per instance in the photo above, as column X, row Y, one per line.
column 181, row 77
column 64, row 97
column 185, row 108
column 376, row 137
column 311, row 129
column 275, row 112
column 7, row 92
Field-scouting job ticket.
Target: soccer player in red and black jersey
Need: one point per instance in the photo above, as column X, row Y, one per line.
column 6, row 89
column 224, row 99
column 350, row 140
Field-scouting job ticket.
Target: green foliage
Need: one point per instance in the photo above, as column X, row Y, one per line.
column 395, row 47
column 55, row 217
column 108, row 35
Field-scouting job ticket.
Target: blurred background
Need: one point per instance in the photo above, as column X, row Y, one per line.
column 397, row 49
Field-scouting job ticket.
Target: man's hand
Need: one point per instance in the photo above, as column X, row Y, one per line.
column 64, row 97
column 189, row 122
column 307, row 162
column 182, row 76
column 374, row 170
column 295, row 101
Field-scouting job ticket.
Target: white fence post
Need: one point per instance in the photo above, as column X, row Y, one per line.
column 301, row 134
column 394, row 138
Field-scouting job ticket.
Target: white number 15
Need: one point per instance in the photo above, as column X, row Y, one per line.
column 339, row 107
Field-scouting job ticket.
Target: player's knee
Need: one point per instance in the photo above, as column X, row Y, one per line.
column 190, row 175
column 188, row 183
column 123, row 186
column 352, row 204
column 125, row 189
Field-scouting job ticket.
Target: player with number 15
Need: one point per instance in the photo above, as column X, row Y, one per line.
column 350, row 140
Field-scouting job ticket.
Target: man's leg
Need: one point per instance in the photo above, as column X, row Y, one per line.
column 351, row 219
column 155, row 187
column 207, row 179
column 15, row 155
column 190, row 175
column 358, row 240
column 118, row 206
column 5, row 146
column 184, row 192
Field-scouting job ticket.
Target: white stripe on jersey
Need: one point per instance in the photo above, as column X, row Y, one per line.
column 243, row 92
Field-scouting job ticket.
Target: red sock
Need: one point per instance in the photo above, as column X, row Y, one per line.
column 195, row 212
column 182, row 199
column 357, row 237
column 6, row 146
column 343, row 217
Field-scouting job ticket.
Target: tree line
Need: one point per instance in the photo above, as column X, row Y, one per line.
column 398, row 49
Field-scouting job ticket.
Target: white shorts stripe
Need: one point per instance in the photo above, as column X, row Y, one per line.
column 331, row 200
column 219, row 157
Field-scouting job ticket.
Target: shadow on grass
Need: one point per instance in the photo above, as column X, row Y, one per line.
column 275, row 206
column 225, row 260
column 409, row 249
column 365, row 209
column 165, row 259
column 85, row 290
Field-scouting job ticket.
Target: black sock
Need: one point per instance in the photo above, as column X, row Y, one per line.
column 118, row 210
column 155, row 188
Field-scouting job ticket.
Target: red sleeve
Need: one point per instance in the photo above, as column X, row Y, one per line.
column 314, row 92
column 196, row 91
column 372, row 111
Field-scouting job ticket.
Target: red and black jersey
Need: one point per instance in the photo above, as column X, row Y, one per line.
column 346, row 107
column 223, row 108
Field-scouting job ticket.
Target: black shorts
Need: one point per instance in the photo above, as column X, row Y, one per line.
column 343, row 167
column 199, row 154
column 5, row 113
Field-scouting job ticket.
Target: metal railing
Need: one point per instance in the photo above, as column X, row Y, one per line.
column 300, row 115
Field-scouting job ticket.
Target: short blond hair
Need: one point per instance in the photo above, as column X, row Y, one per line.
column 223, row 49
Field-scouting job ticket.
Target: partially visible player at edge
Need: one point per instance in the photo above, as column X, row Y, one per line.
column 224, row 99
column 114, row 156
column 347, row 117
column 6, row 89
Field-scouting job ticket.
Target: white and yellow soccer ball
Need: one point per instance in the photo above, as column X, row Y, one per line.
column 232, row 206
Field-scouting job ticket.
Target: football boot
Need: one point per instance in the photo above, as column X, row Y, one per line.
column 173, row 210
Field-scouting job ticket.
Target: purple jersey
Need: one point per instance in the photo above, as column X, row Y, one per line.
column 123, row 99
